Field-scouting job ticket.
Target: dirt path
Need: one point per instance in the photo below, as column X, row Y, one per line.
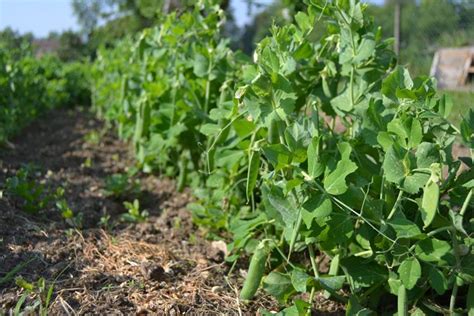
column 159, row 266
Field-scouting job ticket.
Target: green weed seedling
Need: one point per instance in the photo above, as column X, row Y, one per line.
column 33, row 195
column 41, row 294
column 105, row 222
column 92, row 138
column 87, row 163
column 134, row 215
column 120, row 184
column 74, row 220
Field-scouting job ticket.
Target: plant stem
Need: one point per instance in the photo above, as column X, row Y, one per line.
column 395, row 206
column 452, row 300
column 454, row 293
column 312, row 258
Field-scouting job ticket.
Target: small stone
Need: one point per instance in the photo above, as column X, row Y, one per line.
column 217, row 251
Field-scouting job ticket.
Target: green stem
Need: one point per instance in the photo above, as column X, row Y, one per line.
column 208, row 87
column 454, row 293
column 310, row 301
column 452, row 300
column 395, row 206
column 312, row 258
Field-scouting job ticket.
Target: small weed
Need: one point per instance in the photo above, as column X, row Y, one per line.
column 105, row 222
column 92, row 138
column 134, row 215
column 177, row 223
column 33, row 195
column 41, row 294
column 121, row 184
column 87, row 163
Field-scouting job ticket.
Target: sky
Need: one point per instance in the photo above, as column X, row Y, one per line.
column 43, row 16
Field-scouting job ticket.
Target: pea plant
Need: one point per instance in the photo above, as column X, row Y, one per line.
column 49, row 83
column 321, row 150
column 179, row 74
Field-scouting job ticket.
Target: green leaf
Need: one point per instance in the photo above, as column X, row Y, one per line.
column 243, row 127
column 281, row 205
column 299, row 279
column 354, row 308
column 315, row 167
column 385, row 140
column 335, row 182
column 438, row 281
column 210, row 129
column 343, row 101
column 201, row 65
column 304, row 22
column 416, row 135
column 429, row 204
column 278, row 155
column 278, row 285
column 410, row 272
column 270, row 61
column 467, row 268
column 404, row 228
column 317, row 206
column 340, row 228
column 398, row 79
column 414, row 182
column 434, row 250
column 467, row 129
column 393, row 167
column 331, row 282
column 363, row 272
column 365, row 50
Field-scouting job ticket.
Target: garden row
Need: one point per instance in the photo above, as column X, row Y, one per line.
column 317, row 150
column 30, row 86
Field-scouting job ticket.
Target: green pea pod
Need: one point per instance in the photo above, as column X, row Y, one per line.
column 256, row 270
column 252, row 173
column 470, row 300
column 273, row 134
column 402, row 301
column 429, row 204
column 183, row 173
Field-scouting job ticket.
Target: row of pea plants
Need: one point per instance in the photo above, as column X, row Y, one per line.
column 320, row 149
column 30, row 86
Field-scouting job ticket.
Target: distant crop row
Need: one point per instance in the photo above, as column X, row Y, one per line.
column 30, row 86
column 314, row 151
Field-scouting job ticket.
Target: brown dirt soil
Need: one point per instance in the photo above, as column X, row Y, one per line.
column 163, row 265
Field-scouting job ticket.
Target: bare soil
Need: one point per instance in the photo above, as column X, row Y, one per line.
column 164, row 265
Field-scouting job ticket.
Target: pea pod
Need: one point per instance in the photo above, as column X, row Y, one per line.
column 273, row 134
column 470, row 300
column 183, row 173
column 402, row 301
column 256, row 270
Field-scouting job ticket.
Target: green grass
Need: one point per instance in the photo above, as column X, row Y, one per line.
column 462, row 102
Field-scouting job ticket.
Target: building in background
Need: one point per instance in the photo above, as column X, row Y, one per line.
column 454, row 68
